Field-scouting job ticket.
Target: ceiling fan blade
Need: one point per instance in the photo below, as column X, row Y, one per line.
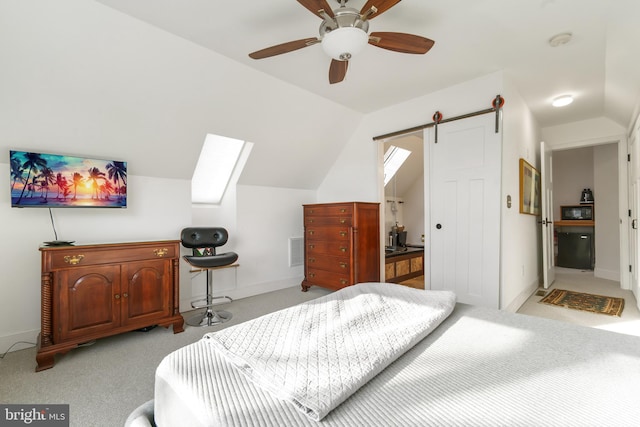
column 283, row 48
column 401, row 42
column 337, row 71
column 381, row 5
column 315, row 5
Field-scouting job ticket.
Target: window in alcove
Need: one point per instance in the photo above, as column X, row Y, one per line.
column 393, row 159
column 218, row 159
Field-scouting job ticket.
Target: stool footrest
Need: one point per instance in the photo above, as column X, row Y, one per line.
column 207, row 302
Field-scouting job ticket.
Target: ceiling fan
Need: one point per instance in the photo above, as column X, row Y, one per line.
column 345, row 31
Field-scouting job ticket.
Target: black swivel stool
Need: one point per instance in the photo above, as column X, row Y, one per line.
column 203, row 241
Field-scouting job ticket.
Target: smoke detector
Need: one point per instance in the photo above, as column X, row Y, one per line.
column 560, row 39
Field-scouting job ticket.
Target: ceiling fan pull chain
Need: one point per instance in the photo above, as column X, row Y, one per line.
column 436, row 119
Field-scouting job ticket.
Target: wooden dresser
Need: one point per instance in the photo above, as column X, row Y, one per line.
column 93, row 291
column 341, row 244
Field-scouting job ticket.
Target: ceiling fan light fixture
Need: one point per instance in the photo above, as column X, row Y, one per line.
column 562, row 101
column 343, row 43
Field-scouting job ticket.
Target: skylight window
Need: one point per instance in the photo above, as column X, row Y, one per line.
column 217, row 161
column 393, row 159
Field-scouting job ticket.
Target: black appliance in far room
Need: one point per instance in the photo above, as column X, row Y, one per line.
column 575, row 250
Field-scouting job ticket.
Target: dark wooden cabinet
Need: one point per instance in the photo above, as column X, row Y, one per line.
column 93, row 291
column 401, row 266
column 342, row 244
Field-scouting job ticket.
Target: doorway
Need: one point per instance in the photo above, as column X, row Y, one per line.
column 403, row 212
column 594, row 169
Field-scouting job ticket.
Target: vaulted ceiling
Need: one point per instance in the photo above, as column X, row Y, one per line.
column 599, row 66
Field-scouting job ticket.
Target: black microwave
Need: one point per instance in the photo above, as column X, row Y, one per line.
column 579, row 212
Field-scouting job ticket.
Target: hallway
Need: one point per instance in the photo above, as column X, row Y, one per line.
column 584, row 281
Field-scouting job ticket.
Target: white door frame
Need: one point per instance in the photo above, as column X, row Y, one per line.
column 623, row 196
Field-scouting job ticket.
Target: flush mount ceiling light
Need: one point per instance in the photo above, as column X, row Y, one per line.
column 562, row 101
column 560, row 39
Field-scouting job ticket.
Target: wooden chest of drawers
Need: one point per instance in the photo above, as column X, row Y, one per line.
column 342, row 244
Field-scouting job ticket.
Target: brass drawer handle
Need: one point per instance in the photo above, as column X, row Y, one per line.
column 311, row 232
column 312, row 275
column 124, row 295
column 312, row 246
column 73, row 259
column 117, row 296
column 342, row 221
column 343, row 249
column 310, row 220
column 343, row 264
column 161, row 252
column 343, row 233
column 343, row 210
column 311, row 211
column 343, row 282
column 312, row 260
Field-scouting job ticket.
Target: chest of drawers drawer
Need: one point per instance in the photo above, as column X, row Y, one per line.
column 322, row 247
column 330, row 233
column 337, row 209
column 328, row 279
column 81, row 256
column 329, row 263
column 327, row 220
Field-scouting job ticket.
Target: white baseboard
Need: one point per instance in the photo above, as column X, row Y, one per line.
column 517, row 302
column 607, row 274
column 24, row 340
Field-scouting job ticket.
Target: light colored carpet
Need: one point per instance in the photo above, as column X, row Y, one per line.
column 105, row 382
column 584, row 281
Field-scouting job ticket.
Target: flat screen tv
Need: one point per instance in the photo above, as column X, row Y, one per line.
column 57, row 181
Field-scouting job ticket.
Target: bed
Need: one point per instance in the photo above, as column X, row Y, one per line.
column 462, row 366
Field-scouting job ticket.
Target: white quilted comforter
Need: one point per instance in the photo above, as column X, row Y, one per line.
column 316, row 354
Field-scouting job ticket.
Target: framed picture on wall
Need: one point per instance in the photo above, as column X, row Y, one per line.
column 529, row 189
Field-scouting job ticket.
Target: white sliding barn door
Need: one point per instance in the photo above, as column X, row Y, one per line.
column 548, row 253
column 464, row 209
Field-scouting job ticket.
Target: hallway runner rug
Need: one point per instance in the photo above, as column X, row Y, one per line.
column 585, row 302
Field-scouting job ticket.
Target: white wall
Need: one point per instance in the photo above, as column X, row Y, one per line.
column 607, row 229
column 573, row 171
column 157, row 208
column 80, row 78
column 264, row 220
column 414, row 211
column 357, row 175
column 582, row 133
column 520, row 269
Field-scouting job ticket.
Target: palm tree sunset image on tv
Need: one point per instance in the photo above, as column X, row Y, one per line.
column 57, row 181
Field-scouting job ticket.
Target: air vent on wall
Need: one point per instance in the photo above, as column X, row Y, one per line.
column 296, row 251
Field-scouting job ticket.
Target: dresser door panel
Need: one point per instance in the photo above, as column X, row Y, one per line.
column 87, row 301
column 147, row 293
